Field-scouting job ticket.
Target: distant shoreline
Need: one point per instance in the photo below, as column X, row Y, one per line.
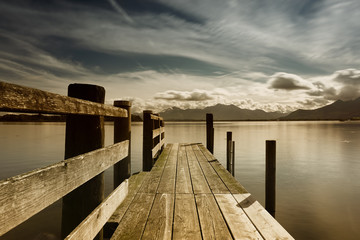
column 136, row 118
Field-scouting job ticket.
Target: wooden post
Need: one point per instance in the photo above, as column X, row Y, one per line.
column 148, row 143
column 228, row 150
column 233, row 159
column 270, row 179
column 83, row 134
column 122, row 131
column 210, row 132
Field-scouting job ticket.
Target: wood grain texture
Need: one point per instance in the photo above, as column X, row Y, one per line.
column 150, row 185
column 183, row 181
column 212, row 223
column 135, row 182
column 159, row 223
column 92, row 224
column 231, row 183
column 239, row 224
column 24, row 195
column 167, row 182
column 215, row 183
column 15, row 98
column 263, row 221
column 133, row 223
column 186, row 221
column 198, row 180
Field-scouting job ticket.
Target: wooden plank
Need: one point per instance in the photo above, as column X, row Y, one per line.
column 212, row 223
column 186, row 221
column 198, row 180
column 209, row 156
column 183, row 181
column 154, row 117
column 24, row 195
column 239, row 224
column 15, row 98
column 135, row 182
column 93, row 223
column 155, row 150
column 232, row 184
column 158, row 131
column 159, row 223
column 150, row 185
column 167, row 182
column 268, row 227
column 133, row 223
column 215, row 183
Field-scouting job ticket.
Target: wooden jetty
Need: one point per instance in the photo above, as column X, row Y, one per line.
column 183, row 191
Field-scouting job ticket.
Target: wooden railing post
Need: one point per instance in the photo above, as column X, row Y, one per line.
column 233, row 159
column 83, row 134
column 122, row 131
column 270, row 177
column 210, row 132
column 148, row 143
column 228, row 150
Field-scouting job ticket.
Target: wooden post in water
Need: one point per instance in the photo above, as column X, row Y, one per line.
column 228, row 150
column 210, row 132
column 233, row 159
column 148, row 143
column 270, row 177
column 122, row 131
column 83, row 134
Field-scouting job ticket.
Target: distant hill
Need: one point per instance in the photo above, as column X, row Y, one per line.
column 220, row 112
column 339, row 110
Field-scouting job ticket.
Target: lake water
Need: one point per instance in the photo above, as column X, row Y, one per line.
column 318, row 169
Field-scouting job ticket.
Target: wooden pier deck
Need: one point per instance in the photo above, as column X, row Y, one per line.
column 188, row 194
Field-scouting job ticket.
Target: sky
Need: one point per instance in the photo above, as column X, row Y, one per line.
column 274, row 55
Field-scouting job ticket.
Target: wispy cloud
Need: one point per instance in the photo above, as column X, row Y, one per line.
column 188, row 53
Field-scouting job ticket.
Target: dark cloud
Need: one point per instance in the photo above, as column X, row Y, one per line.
column 348, row 76
column 196, row 95
column 286, row 81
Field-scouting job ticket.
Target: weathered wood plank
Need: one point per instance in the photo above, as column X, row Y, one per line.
column 206, row 152
column 198, row 180
column 167, row 182
column 150, row 185
column 92, row 224
column 263, row 221
column 212, row 223
column 238, row 222
column 159, row 223
column 15, row 98
column 215, row 183
column 154, row 117
column 24, row 195
column 135, row 182
column 133, row 223
column 186, row 221
column 158, row 131
column 183, row 181
column 232, row 184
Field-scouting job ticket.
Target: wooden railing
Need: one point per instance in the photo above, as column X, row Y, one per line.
column 79, row 178
column 153, row 138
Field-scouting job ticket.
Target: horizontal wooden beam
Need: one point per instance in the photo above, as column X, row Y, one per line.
column 15, row 98
column 24, row 195
column 158, row 131
column 93, row 223
column 156, row 150
column 154, row 117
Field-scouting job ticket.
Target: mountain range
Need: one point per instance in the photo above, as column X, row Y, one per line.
column 220, row 112
column 339, row 110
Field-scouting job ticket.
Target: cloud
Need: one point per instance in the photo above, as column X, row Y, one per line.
column 348, row 76
column 120, row 10
column 286, row 81
column 195, row 95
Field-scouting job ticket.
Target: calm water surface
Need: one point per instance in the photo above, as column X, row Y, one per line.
column 318, row 169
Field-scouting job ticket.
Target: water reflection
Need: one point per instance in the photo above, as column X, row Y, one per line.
column 318, row 168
